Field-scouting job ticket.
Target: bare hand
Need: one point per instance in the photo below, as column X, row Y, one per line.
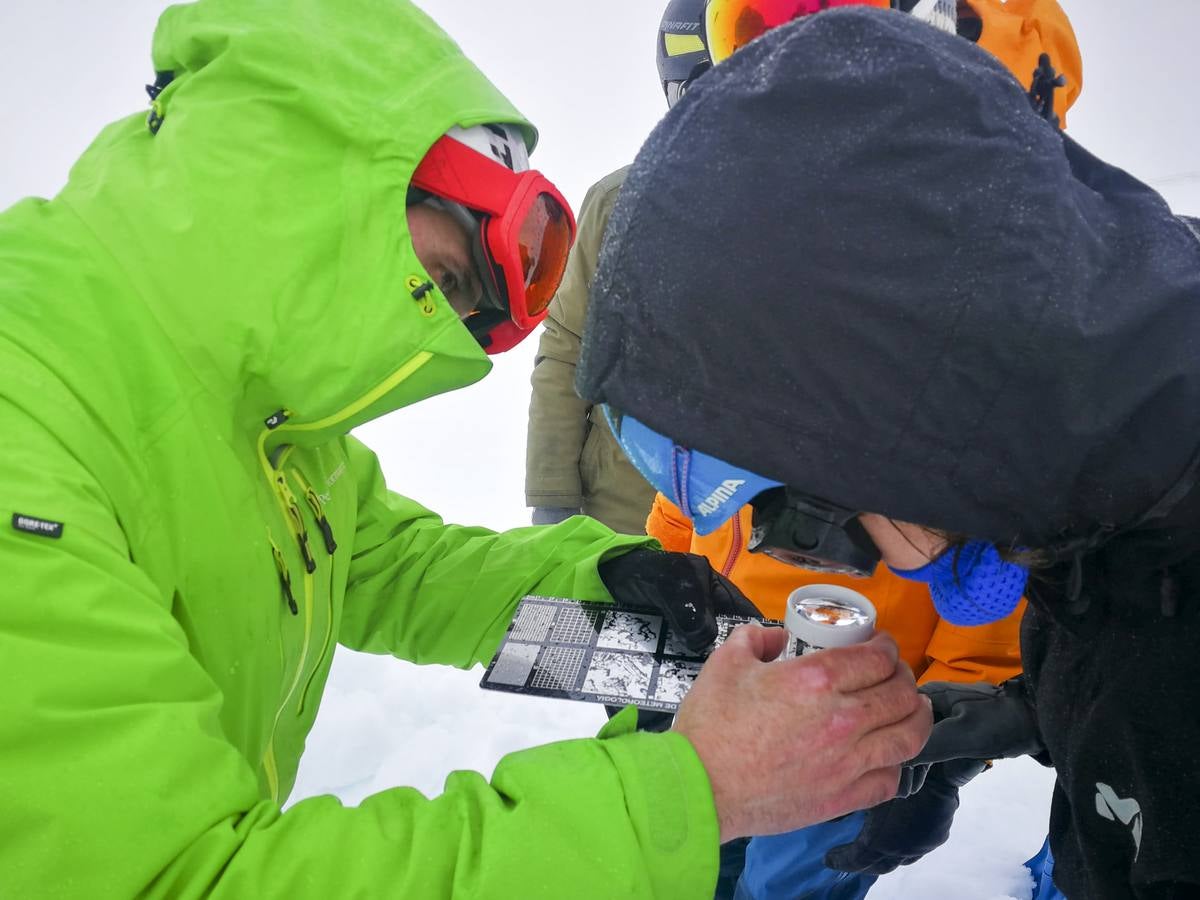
column 791, row 743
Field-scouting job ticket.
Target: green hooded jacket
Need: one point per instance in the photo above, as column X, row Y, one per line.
column 187, row 334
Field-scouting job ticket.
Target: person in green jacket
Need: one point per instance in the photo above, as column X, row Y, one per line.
column 573, row 464
column 188, row 332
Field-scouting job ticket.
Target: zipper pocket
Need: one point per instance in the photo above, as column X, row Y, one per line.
column 285, row 577
column 295, row 521
column 318, row 511
column 326, row 646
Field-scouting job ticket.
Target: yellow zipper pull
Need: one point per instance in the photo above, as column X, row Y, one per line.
column 285, row 578
column 318, row 509
column 296, row 521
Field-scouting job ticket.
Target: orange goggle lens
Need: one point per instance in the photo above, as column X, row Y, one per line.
column 731, row 24
column 543, row 242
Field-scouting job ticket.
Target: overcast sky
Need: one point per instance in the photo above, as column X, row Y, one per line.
column 584, row 72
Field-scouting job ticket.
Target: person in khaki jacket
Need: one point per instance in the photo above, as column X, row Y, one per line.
column 572, row 461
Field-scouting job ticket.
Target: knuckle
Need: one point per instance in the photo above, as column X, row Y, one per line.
column 814, row 673
column 890, row 747
column 844, row 723
column 883, row 784
column 901, row 695
column 871, row 656
column 914, row 741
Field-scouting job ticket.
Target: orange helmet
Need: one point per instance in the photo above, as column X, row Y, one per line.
column 1018, row 32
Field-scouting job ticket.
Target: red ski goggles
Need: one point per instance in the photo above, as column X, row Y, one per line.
column 731, row 24
column 522, row 233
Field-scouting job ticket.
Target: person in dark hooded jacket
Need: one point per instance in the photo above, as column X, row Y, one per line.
column 979, row 379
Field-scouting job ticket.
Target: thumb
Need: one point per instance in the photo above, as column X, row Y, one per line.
column 754, row 640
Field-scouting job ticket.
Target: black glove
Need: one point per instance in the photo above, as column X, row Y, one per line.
column 681, row 586
column 981, row 721
column 900, row 832
column 973, row 723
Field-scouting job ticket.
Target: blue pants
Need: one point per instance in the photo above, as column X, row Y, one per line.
column 791, row 866
column 1042, row 869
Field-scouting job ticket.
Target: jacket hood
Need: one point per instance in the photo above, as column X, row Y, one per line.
column 854, row 260
column 263, row 226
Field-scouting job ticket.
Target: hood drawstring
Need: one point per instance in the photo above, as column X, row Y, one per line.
column 1041, row 90
column 1076, row 549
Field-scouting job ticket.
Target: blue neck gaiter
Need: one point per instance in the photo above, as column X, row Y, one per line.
column 971, row 585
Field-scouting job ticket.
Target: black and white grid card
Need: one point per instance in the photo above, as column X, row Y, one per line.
column 598, row 653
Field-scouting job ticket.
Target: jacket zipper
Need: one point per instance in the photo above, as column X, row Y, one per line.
column 285, row 577
column 737, row 545
column 291, row 514
column 318, row 511
column 295, row 520
column 279, row 423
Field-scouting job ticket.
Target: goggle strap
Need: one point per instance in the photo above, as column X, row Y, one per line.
column 490, row 276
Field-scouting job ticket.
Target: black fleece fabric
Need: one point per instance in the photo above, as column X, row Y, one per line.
column 854, row 259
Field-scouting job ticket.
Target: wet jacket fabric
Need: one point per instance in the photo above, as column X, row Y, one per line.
column 934, row 649
column 1008, row 355
column 187, row 333
column 572, row 459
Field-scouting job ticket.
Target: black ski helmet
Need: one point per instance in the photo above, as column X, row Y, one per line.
column 681, row 52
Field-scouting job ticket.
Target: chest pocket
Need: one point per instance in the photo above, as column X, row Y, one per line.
column 318, row 501
column 324, row 497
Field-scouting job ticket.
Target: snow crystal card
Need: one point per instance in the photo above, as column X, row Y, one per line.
column 597, row 652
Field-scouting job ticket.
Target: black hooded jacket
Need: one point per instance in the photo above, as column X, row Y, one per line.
column 858, row 226
column 853, row 259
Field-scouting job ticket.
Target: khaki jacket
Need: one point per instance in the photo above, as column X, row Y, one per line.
column 572, row 459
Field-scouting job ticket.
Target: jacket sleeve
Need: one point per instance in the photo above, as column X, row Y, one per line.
column 669, row 525
column 119, row 780
column 434, row 593
column 558, row 417
column 977, row 653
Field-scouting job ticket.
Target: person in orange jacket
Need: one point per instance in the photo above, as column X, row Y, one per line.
column 1025, row 35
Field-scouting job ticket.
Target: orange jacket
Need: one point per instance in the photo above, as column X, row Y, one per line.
column 935, row 649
